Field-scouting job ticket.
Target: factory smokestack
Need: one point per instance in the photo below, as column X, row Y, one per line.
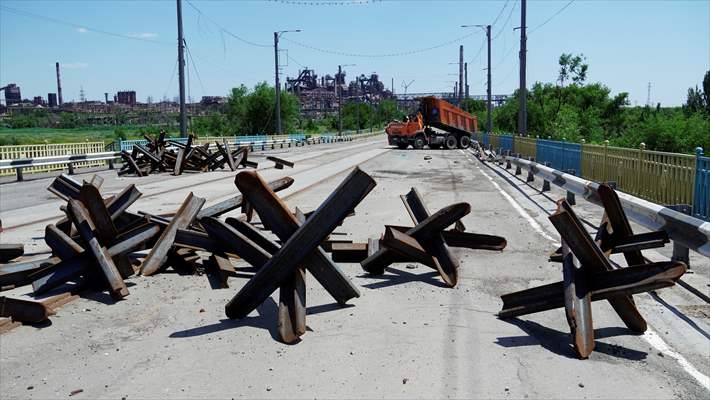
column 59, row 84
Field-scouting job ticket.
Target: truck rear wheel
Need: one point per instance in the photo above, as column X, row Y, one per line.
column 451, row 142
column 419, row 142
column 464, row 142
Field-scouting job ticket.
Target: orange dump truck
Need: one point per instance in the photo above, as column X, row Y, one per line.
column 453, row 127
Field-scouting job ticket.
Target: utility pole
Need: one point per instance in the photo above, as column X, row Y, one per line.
column 465, row 78
column 489, row 106
column 181, row 71
column 340, row 100
column 522, row 91
column 489, row 119
column 460, row 93
column 277, row 85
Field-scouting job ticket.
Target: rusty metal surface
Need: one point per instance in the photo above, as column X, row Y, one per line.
column 182, row 219
column 276, row 216
column 24, row 310
column 299, row 243
column 80, row 217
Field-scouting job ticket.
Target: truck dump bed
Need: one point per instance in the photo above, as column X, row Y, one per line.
column 443, row 115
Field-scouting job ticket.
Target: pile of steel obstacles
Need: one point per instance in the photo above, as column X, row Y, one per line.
column 161, row 155
column 100, row 243
column 589, row 275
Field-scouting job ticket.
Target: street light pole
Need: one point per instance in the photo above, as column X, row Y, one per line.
column 277, row 83
column 489, row 105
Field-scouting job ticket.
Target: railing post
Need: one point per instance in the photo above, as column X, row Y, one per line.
column 571, row 199
column 507, row 159
column 546, row 183
column 697, row 192
column 18, row 171
column 531, row 177
column 606, row 144
column 639, row 190
column 71, row 168
column 110, row 163
column 680, row 252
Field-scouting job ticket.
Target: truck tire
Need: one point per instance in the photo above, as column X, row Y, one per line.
column 402, row 146
column 450, row 142
column 464, row 142
column 419, row 142
column 434, row 146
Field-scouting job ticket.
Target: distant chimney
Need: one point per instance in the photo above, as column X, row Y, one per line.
column 59, row 84
column 106, row 97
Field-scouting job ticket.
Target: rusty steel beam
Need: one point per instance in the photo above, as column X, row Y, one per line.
column 91, row 198
column 301, row 242
column 348, row 252
column 24, row 310
column 280, row 162
column 21, row 273
column 292, row 307
column 377, row 261
column 196, row 240
column 275, row 214
column 80, row 217
column 236, row 202
column 223, row 268
column 65, row 187
column 74, row 266
column 602, row 285
column 62, row 245
column 97, row 181
column 253, row 234
column 408, row 247
column 447, row 264
column 234, row 242
column 131, row 162
column 10, row 251
column 476, row 241
column 591, row 257
column 182, row 219
column 578, row 304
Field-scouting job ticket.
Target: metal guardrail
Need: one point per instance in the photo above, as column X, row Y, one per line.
column 69, row 160
column 96, row 158
column 14, row 152
column 690, row 232
column 701, row 192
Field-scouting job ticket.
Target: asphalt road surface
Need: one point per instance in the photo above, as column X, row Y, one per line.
column 407, row 336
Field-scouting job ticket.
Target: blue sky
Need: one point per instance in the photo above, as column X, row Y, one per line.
column 627, row 44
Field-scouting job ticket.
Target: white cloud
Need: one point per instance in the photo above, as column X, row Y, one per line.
column 82, row 30
column 143, row 35
column 74, row 65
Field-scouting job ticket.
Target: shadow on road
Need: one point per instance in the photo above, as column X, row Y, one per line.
column 560, row 342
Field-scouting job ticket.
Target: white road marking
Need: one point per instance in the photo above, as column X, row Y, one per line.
column 534, row 224
column 656, row 341
column 649, row 336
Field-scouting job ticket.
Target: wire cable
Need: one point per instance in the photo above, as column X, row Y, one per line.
column 501, row 12
column 327, row 2
column 478, row 53
column 223, row 29
column 192, row 60
column 505, row 25
column 551, row 17
column 170, row 82
column 380, row 55
column 80, row 28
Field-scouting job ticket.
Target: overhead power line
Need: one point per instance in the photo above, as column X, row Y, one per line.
column 327, row 3
column 501, row 12
column 551, row 17
column 507, row 20
column 79, row 27
column 225, row 30
column 392, row 54
column 478, row 53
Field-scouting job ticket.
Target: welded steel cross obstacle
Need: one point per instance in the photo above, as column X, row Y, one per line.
column 588, row 275
column 301, row 248
column 427, row 242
